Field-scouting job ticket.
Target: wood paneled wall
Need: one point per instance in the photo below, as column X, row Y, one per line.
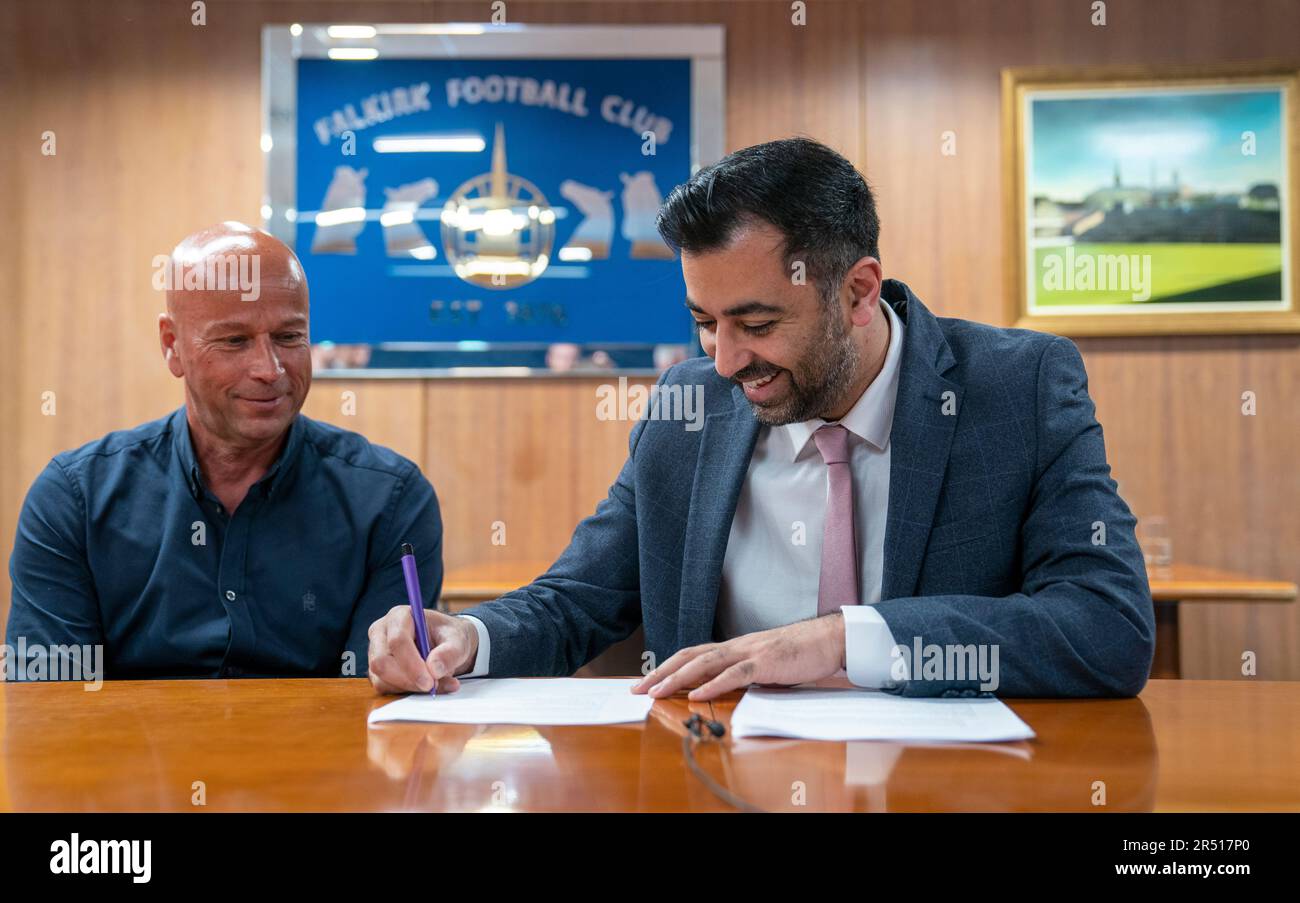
column 157, row 123
column 529, row 455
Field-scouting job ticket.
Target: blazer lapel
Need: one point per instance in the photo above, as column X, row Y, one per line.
column 725, row 450
column 920, row 439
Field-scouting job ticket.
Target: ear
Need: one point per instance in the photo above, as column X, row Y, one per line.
column 167, row 341
column 864, row 281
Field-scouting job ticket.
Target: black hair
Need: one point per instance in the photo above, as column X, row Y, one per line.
column 813, row 195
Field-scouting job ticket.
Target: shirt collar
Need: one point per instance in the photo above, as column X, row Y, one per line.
column 872, row 414
column 274, row 476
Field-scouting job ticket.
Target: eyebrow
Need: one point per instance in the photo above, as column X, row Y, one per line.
column 235, row 326
column 743, row 309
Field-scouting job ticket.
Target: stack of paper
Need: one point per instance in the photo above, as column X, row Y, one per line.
column 816, row 714
column 564, row 700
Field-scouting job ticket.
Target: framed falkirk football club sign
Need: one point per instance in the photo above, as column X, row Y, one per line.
column 473, row 196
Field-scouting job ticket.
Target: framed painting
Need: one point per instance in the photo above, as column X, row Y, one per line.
column 1142, row 201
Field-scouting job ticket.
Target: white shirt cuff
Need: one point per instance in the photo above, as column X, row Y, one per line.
column 480, row 668
column 869, row 658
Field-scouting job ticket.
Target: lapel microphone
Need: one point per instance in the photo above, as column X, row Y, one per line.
column 697, row 724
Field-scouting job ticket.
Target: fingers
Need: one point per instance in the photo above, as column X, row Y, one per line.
column 700, row 668
column 451, row 653
column 657, row 676
column 381, row 685
column 395, row 663
column 446, row 685
column 741, row 674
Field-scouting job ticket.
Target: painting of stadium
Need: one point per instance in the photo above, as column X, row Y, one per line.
column 1141, row 203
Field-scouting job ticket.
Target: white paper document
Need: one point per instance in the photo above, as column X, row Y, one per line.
column 511, row 700
column 817, row 714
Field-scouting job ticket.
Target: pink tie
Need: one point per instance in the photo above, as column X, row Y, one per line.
column 839, row 576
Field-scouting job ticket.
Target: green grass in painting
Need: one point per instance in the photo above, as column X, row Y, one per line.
column 1179, row 273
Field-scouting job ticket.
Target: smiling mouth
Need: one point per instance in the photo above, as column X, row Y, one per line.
column 759, row 383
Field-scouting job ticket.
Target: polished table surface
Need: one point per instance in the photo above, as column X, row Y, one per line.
column 303, row 745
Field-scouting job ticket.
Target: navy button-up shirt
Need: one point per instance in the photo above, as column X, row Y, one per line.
column 120, row 543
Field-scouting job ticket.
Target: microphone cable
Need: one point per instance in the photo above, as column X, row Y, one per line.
column 700, row 730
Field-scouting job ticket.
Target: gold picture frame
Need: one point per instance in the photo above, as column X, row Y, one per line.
column 1124, row 241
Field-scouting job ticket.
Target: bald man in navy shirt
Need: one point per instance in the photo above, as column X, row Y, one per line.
column 233, row 537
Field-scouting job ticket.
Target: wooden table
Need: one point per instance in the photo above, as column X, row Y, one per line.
column 1184, row 583
column 472, row 584
column 1170, row 586
column 303, row 745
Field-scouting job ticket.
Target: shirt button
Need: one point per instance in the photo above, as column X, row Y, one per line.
column 230, row 595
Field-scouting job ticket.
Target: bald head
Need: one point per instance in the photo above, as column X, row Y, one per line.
column 236, row 330
column 232, row 258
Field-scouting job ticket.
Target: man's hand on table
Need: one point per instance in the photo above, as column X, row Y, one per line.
column 395, row 664
column 797, row 653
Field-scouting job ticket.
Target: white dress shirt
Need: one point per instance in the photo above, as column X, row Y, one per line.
column 773, row 562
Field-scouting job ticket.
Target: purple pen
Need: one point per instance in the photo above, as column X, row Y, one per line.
column 414, row 596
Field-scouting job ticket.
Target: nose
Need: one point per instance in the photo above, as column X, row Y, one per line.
column 729, row 354
column 265, row 363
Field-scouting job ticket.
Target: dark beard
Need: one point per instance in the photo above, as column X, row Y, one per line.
column 820, row 381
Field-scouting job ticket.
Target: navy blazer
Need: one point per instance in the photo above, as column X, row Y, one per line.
column 1004, row 525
